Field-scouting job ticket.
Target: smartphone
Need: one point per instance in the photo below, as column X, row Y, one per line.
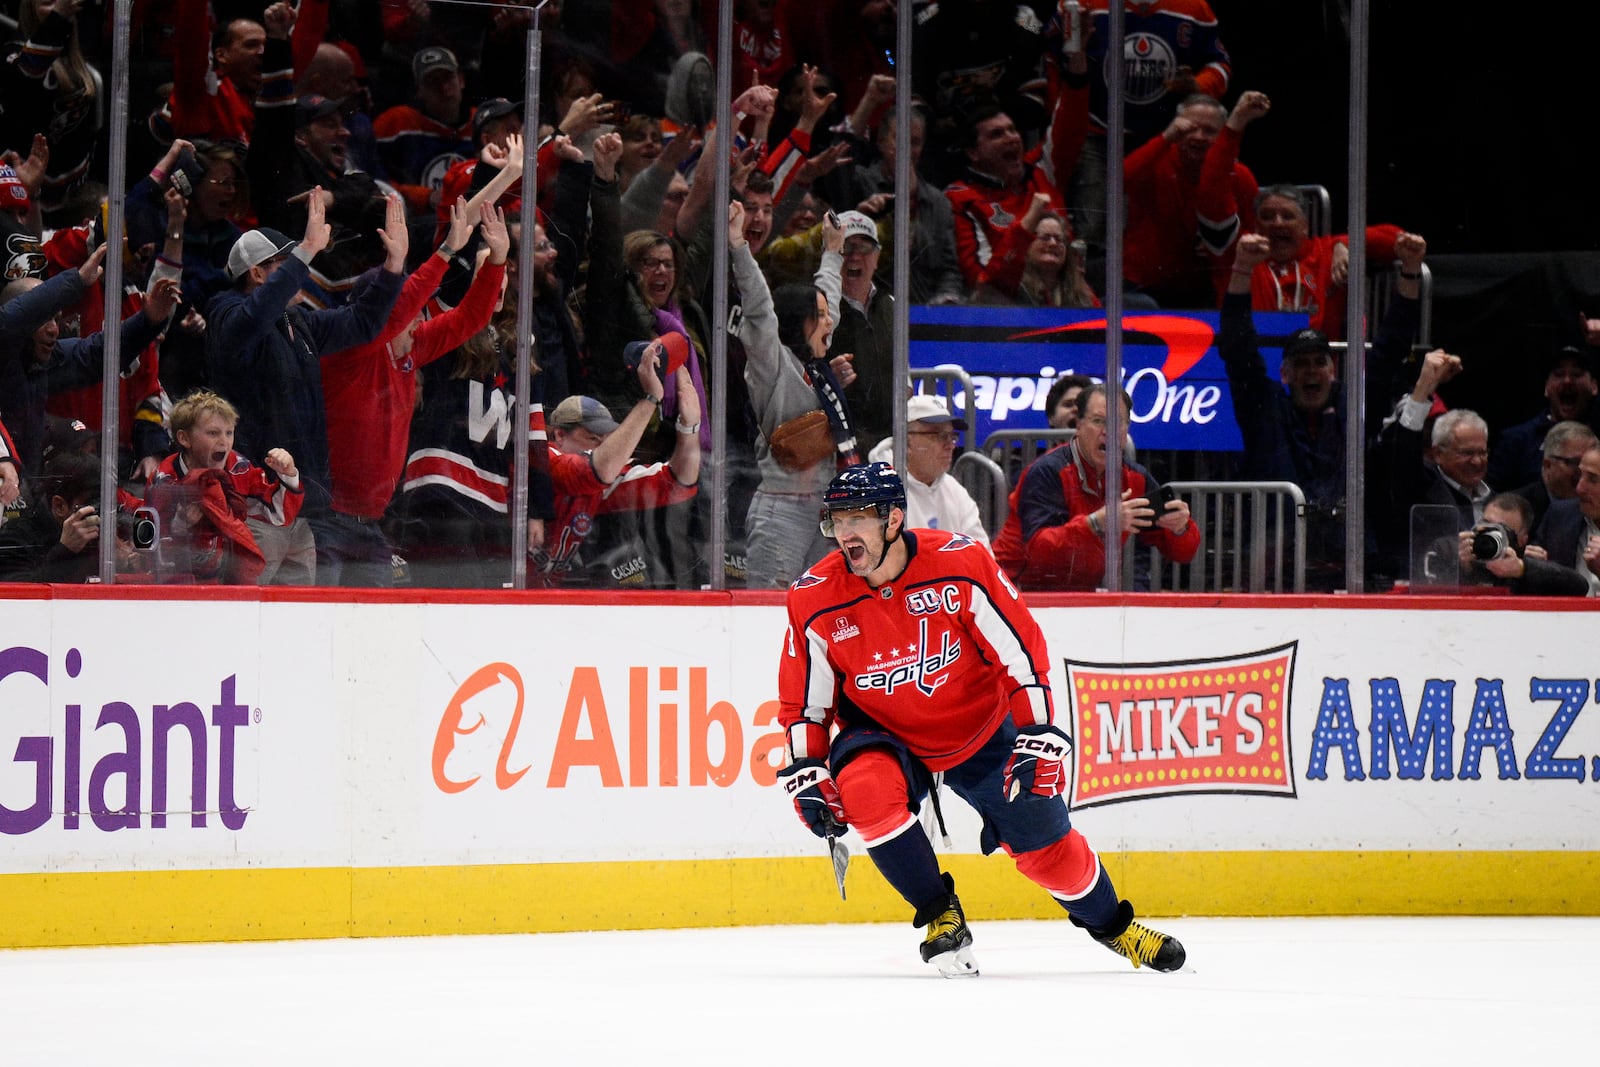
column 833, row 220
column 1165, row 495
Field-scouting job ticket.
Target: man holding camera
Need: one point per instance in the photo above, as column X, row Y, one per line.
column 1496, row 552
column 57, row 539
column 1060, row 510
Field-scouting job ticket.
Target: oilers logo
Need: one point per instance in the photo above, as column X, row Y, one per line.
column 1148, row 64
column 436, row 168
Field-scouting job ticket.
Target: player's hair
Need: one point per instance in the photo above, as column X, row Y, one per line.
column 71, row 70
column 187, row 413
column 968, row 135
column 1446, row 425
column 638, row 242
column 482, row 352
column 223, row 35
column 758, row 182
column 1563, row 433
column 1059, row 387
column 1292, row 193
column 795, row 306
column 1515, row 502
column 1194, row 100
column 73, row 476
column 1099, row 389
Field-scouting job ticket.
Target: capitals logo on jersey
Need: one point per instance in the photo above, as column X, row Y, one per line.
column 918, row 666
column 807, row 580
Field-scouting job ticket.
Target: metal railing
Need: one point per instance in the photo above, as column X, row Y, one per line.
column 986, row 483
column 1247, row 531
column 1013, row 450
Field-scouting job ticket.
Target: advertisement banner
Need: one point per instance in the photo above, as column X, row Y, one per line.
column 387, row 735
column 1170, row 366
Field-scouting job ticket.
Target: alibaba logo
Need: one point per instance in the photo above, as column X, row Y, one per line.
column 1186, row 339
column 454, row 724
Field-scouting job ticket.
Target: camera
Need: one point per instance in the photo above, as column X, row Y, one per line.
column 1491, row 539
column 139, row 528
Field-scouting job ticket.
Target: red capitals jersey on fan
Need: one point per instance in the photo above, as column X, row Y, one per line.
column 938, row 657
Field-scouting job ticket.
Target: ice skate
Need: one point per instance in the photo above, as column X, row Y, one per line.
column 1139, row 943
column 948, row 944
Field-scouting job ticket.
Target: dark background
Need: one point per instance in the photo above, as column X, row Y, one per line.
column 1478, row 138
column 1478, row 124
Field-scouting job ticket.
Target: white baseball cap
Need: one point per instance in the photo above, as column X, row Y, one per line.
column 925, row 408
column 855, row 224
column 254, row 248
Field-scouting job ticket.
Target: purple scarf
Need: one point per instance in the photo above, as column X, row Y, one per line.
column 667, row 318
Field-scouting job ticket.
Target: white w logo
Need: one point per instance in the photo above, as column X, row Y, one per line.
column 493, row 415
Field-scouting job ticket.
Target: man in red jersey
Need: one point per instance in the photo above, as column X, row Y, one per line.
column 993, row 195
column 909, row 654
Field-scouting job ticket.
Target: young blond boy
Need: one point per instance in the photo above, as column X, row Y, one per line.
column 205, row 491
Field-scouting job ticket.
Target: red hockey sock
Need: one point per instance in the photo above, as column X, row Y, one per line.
column 1068, row 868
column 876, row 800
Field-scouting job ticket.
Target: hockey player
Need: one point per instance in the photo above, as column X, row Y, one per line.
column 916, row 656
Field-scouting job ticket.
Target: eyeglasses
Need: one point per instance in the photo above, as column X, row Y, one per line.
column 1096, row 422
column 647, row 265
column 943, row 437
column 543, row 246
column 223, row 183
column 1050, row 238
column 1469, row 453
column 859, row 247
column 1570, row 462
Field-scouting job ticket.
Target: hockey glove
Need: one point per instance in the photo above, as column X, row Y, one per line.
column 1038, row 763
column 816, row 798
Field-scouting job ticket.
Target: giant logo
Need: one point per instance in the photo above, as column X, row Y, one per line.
column 102, row 756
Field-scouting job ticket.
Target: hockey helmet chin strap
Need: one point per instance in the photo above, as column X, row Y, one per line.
column 887, row 540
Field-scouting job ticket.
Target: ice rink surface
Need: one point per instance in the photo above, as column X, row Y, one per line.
column 1358, row 992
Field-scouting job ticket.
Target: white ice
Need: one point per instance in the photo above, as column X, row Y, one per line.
column 1353, row 992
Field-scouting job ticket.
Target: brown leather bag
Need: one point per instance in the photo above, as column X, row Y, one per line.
column 802, row 442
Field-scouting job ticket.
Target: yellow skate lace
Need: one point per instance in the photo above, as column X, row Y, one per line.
column 1138, row 943
column 946, row 925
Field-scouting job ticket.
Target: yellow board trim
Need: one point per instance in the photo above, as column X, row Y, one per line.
column 141, row 907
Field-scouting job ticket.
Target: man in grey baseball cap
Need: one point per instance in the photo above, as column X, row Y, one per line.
column 255, row 248
column 263, row 353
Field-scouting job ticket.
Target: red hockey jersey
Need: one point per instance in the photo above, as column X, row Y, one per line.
column 1305, row 283
column 938, row 657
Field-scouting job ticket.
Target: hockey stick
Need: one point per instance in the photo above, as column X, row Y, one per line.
column 837, row 852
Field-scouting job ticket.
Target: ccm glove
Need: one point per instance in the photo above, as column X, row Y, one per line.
column 815, row 796
column 1038, row 763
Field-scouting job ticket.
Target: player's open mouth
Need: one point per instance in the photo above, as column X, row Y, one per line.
column 855, row 553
